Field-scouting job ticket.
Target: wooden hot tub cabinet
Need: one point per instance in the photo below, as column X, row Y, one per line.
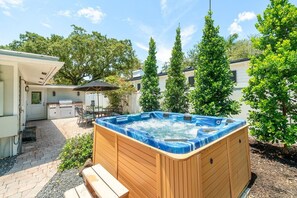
column 219, row 169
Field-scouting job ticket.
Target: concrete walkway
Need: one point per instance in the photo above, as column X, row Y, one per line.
column 38, row 162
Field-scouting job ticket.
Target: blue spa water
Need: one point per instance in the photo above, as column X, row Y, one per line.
column 165, row 129
column 171, row 132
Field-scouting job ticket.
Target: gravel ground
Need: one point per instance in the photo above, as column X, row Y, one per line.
column 60, row 183
column 6, row 164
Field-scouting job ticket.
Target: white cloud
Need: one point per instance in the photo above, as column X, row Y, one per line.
column 187, row 33
column 128, row 20
column 46, row 25
column 6, row 4
column 246, row 16
column 163, row 4
column 6, row 12
column 95, row 15
column 163, row 54
column 141, row 46
column 235, row 28
column 146, row 29
column 65, row 13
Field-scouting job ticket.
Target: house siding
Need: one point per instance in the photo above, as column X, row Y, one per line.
column 242, row 81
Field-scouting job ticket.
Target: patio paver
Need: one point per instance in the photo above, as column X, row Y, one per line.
column 38, row 162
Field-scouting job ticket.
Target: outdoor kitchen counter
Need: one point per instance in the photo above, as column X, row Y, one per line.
column 50, row 103
column 62, row 109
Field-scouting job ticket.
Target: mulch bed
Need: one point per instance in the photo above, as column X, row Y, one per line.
column 274, row 170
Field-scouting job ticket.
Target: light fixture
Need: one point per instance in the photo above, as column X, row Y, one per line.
column 78, row 93
column 27, row 88
column 54, row 93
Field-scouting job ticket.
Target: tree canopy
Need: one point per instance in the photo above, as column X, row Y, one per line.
column 176, row 98
column 150, row 92
column 272, row 89
column 213, row 84
column 89, row 56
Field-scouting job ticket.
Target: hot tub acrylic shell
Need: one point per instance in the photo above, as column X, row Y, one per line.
column 218, row 169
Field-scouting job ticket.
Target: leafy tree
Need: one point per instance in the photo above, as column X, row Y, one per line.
column 230, row 41
column 29, row 42
column 119, row 98
column 239, row 49
column 176, row 98
column 150, row 92
column 213, row 84
column 272, row 89
column 75, row 51
column 86, row 56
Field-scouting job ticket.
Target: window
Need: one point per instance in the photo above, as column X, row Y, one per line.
column 36, row 97
column 138, row 86
column 234, row 76
column 191, row 81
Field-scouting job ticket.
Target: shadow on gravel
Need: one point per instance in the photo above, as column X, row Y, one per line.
column 60, row 183
column 276, row 153
column 6, row 164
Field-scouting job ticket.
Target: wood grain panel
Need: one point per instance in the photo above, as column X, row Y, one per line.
column 239, row 166
column 106, row 152
column 215, row 169
column 147, row 172
column 180, row 177
column 137, row 168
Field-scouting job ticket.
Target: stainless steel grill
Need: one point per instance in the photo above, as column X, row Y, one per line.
column 65, row 103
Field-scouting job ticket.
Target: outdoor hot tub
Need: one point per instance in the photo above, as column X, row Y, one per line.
column 161, row 154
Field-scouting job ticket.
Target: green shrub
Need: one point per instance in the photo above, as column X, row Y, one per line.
column 76, row 151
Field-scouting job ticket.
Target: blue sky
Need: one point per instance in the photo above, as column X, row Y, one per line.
column 136, row 20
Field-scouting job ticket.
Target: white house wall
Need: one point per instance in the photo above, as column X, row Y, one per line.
column 64, row 94
column 6, row 75
column 9, row 120
column 242, row 81
column 103, row 101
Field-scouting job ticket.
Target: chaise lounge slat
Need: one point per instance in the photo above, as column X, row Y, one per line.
column 82, row 191
column 100, row 188
column 78, row 192
column 112, row 182
column 71, row 193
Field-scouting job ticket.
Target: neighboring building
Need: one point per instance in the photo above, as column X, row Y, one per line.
column 240, row 76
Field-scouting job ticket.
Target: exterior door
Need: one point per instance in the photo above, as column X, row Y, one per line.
column 36, row 107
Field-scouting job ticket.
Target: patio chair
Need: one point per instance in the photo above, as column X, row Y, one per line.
column 83, row 116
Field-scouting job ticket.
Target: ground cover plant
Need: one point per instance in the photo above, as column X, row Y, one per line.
column 76, row 151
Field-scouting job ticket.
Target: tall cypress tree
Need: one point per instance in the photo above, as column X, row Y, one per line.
column 176, row 99
column 150, row 92
column 272, row 89
column 213, row 84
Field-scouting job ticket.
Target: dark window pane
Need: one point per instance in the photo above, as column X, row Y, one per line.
column 191, row 81
column 138, row 86
column 36, row 97
column 234, row 76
